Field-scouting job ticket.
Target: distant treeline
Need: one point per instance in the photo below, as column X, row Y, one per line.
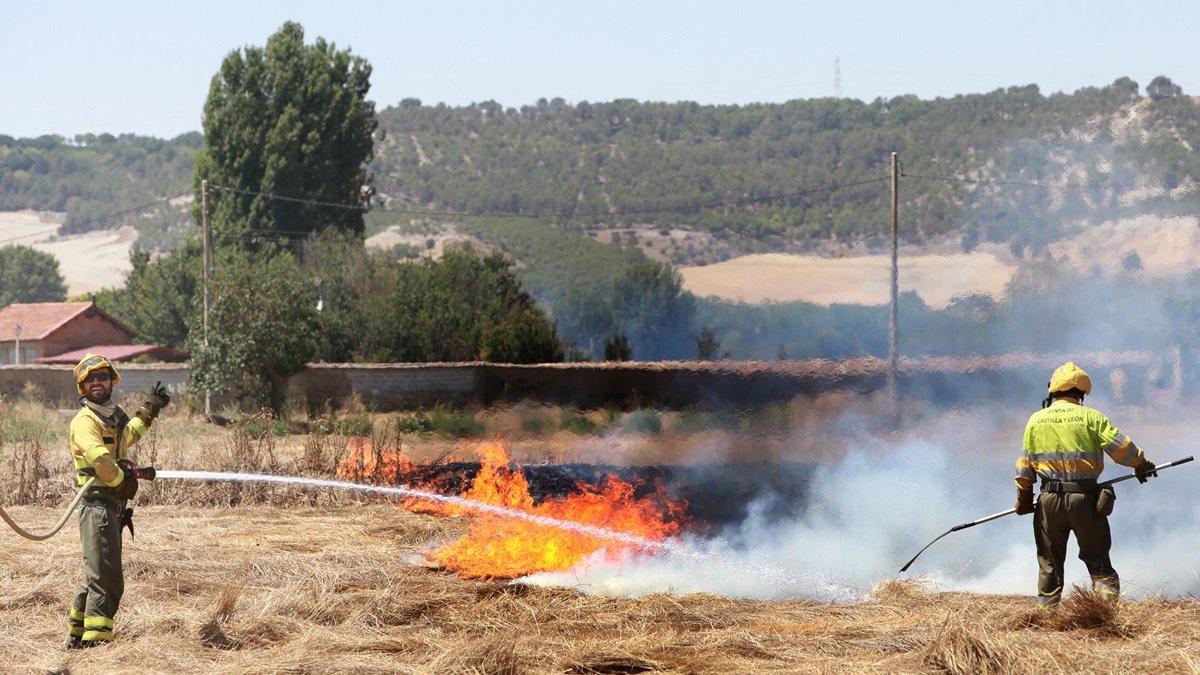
column 995, row 166
column 102, row 181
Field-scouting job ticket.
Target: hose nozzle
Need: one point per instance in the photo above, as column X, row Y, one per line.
column 138, row 472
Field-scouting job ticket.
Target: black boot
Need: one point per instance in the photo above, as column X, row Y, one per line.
column 73, row 642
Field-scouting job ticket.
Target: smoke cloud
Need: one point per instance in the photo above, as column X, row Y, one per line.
column 1104, row 260
column 873, row 508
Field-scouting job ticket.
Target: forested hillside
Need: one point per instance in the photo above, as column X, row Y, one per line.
column 552, row 185
column 1011, row 165
column 102, row 181
column 794, row 175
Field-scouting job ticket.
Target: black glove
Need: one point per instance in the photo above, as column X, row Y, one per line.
column 1145, row 470
column 1024, row 502
column 158, row 394
column 157, row 400
column 128, row 488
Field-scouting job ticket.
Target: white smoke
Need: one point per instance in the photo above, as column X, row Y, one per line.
column 870, row 512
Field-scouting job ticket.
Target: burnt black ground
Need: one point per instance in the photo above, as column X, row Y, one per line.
column 717, row 495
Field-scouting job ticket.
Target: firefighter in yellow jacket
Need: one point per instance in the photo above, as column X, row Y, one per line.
column 1064, row 448
column 101, row 432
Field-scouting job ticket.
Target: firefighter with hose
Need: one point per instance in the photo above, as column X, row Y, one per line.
column 100, row 434
column 1063, row 449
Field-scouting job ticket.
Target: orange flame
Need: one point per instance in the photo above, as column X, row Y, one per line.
column 507, row 547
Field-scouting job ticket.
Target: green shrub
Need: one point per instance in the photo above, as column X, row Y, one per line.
column 354, row 425
column 577, row 423
column 642, row 421
column 456, row 423
column 264, row 425
column 414, row 423
column 321, row 425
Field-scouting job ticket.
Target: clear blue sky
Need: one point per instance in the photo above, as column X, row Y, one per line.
column 144, row 67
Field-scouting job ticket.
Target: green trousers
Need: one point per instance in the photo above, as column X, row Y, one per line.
column 1059, row 514
column 99, row 595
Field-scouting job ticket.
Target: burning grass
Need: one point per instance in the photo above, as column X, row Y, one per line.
column 523, row 538
column 249, row 578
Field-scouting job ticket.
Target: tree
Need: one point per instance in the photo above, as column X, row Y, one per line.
column 584, row 317
column 654, row 311
column 29, row 275
column 262, row 328
column 617, row 348
column 288, row 134
column 160, row 296
column 351, row 287
column 708, row 347
column 1162, row 87
column 467, row 307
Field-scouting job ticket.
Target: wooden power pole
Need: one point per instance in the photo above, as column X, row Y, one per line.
column 893, row 320
column 205, row 274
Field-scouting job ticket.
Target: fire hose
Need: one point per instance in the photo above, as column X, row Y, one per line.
column 994, row 516
column 141, row 473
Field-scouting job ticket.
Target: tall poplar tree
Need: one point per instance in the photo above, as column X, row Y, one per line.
column 288, row 135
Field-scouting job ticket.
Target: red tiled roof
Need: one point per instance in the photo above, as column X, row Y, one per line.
column 118, row 353
column 38, row 320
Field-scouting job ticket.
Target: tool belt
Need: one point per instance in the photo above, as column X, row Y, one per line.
column 1086, row 487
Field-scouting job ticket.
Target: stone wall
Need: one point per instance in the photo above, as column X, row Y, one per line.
column 1120, row 377
column 56, row 384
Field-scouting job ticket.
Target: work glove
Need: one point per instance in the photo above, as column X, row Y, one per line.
column 128, row 487
column 1144, row 471
column 154, row 403
column 1024, row 502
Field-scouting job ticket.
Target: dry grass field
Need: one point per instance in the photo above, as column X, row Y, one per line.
column 88, row 262
column 864, row 279
column 230, row 577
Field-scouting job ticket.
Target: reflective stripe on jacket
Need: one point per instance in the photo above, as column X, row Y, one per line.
column 93, row 437
column 1067, row 441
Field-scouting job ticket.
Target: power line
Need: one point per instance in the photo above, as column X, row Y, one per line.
column 88, row 225
column 299, row 200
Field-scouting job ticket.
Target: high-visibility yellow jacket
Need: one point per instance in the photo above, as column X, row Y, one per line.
column 1067, row 441
column 96, row 445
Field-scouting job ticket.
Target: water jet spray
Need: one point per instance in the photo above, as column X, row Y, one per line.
column 599, row 532
column 759, row 570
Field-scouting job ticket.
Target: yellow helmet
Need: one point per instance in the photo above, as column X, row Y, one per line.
column 89, row 363
column 1069, row 376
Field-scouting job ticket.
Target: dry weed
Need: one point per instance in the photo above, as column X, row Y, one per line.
column 299, row 580
column 262, row 588
column 965, row 647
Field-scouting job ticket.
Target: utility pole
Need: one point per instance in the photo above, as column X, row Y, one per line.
column 837, row 77
column 893, row 330
column 205, row 273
